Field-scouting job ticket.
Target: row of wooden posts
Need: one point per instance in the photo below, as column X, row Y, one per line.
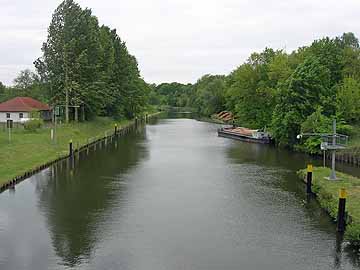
column 72, row 150
column 346, row 157
column 341, row 219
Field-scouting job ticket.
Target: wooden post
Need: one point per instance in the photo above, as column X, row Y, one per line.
column 71, row 151
column 309, row 179
column 341, row 211
column 83, row 113
column 78, row 149
column 76, row 114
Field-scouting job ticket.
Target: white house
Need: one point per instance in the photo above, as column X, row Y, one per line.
column 22, row 109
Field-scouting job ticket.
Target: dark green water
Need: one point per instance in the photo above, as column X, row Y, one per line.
column 170, row 196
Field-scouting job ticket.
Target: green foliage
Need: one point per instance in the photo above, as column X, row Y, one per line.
column 353, row 233
column 287, row 93
column 252, row 89
column 26, row 84
column 315, row 123
column 327, row 195
column 174, row 94
column 92, row 63
column 329, row 53
column 2, row 91
column 308, row 88
column 209, row 95
column 33, row 125
column 348, row 100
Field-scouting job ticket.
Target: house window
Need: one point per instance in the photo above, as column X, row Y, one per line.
column 8, row 115
column 21, row 115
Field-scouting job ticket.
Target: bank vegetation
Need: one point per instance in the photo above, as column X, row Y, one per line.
column 285, row 92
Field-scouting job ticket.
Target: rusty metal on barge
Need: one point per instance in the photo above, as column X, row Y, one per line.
column 245, row 134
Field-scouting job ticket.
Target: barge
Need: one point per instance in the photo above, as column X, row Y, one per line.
column 245, row 134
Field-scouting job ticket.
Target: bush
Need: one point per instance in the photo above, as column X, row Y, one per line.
column 353, row 233
column 33, row 125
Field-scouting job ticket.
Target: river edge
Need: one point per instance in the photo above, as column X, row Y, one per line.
column 326, row 192
column 91, row 140
column 327, row 195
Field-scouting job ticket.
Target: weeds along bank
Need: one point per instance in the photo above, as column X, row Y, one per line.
column 327, row 193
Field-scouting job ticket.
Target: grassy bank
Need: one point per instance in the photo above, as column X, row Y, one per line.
column 30, row 149
column 328, row 193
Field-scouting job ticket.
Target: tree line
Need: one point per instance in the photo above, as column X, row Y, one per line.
column 84, row 64
column 286, row 93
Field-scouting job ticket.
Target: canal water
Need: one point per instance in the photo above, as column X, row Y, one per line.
column 171, row 195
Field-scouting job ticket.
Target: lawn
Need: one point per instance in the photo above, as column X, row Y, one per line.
column 30, row 149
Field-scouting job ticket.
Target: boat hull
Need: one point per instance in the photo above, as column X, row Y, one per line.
column 244, row 138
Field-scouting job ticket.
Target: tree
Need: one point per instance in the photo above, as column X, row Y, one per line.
column 85, row 64
column 26, row 79
column 252, row 88
column 2, row 88
column 308, row 88
column 315, row 123
column 209, row 94
column 175, row 94
column 348, row 100
column 329, row 53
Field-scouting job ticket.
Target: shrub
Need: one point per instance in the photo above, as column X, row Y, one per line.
column 353, row 233
column 33, row 125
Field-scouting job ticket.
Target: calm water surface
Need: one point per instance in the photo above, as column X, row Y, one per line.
column 170, row 196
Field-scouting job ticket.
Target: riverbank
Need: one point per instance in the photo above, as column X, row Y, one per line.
column 29, row 150
column 327, row 193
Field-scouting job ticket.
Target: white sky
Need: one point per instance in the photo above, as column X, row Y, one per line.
column 181, row 40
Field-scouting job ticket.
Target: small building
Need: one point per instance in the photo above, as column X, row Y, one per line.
column 22, row 109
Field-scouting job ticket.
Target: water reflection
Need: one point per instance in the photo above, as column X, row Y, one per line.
column 286, row 164
column 172, row 197
column 79, row 193
column 353, row 254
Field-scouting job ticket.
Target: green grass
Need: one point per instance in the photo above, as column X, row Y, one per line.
column 28, row 150
column 328, row 195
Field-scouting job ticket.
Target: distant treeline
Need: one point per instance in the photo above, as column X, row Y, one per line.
column 90, row 61
column 287, row 93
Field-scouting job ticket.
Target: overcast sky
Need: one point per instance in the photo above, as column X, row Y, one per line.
column 181, row 40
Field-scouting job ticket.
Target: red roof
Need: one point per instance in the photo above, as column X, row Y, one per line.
column 23, row 104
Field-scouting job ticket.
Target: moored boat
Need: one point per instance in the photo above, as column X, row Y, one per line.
column 245, row 134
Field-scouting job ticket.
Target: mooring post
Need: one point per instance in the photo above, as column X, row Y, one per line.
column 341, row 210
column 309, row 179
column 71, row 151
column 78, row 149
